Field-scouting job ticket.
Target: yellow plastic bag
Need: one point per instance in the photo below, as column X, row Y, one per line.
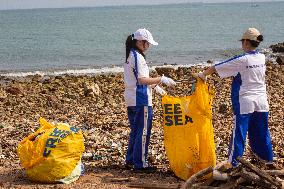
column 188, row 131
column 52, row 153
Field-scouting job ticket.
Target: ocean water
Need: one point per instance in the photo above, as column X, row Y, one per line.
column 57, row 40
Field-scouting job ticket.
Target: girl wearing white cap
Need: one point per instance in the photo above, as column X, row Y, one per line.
column 138, row 98
column 249, row 98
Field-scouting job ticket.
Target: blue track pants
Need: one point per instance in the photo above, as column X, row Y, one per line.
column 256, row 125
column 140, row 119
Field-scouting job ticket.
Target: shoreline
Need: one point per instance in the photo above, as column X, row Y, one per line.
column 94, row 71
column 108, row 69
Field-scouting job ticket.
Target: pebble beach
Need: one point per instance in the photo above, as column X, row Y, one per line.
column 95, row 103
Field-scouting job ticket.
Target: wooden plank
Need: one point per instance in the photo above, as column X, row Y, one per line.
column 254, row 178
column 275, row 172
column 204, row 187
column 197, row 176
column 118, row 179
column 154, row 185
column 260, row 173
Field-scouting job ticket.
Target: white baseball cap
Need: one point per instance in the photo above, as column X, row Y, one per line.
column 143, row 34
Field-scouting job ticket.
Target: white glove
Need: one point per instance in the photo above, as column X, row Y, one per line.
column 167, row 81
column 202, row 76
column 160, row 91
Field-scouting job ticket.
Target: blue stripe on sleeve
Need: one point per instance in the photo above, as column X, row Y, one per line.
column 236, row 57
column 229, row 60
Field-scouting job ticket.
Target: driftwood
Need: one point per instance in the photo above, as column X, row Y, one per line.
column 188, row 184
column 228, row 185
column 252, row 177
column 223, row 166
column 235, row 172
column 246, row 175
column 111, row 179
column 207, row 182
column 231, row 184
column 153, row 186
column 218, row 175
column 239, row 181
column 203, row 187
column 260, row 173
column 275, row 172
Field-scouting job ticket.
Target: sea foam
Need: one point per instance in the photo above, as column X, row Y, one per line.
column 90, row 71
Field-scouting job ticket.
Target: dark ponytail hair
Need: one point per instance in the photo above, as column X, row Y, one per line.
column 130, row 43
column 260, row 38
column 256, row 43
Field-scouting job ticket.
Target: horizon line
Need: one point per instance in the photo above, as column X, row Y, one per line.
column 131, row 5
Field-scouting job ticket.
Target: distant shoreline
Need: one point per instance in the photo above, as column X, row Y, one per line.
column 146, row 5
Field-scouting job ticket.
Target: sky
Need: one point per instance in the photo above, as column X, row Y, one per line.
column 29, row 4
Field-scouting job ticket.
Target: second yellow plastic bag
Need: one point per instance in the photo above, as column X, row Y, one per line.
column 188, row 131
column 53, row 153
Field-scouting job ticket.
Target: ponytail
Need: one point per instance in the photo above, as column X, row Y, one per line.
column 256, row 43
column 129, row 44
column 260, row 38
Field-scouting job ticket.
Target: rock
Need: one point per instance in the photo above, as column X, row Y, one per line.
column 63, row 118
column 46, row 80
column 14, row 90
column 52, row 89
column 278, row 48
column 91, row 90
column 87, row 156
column 123, row 124
column 114, row 145
column 97, row 90
column 223, row 108
column 72, row 96
column 179, row 72
column 3, row 95
column 280, row 60
column 210, row 61
column 52, row 101
column 59, row 77
column 44, row 91
column 52, row 98
column 167, row 71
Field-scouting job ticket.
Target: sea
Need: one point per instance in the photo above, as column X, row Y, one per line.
column 88, row 40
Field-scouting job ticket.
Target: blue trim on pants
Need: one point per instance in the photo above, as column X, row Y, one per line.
column 256, row 125
column 141, row 90
column 235, row 93
column 142, row 95
column 140, row 119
